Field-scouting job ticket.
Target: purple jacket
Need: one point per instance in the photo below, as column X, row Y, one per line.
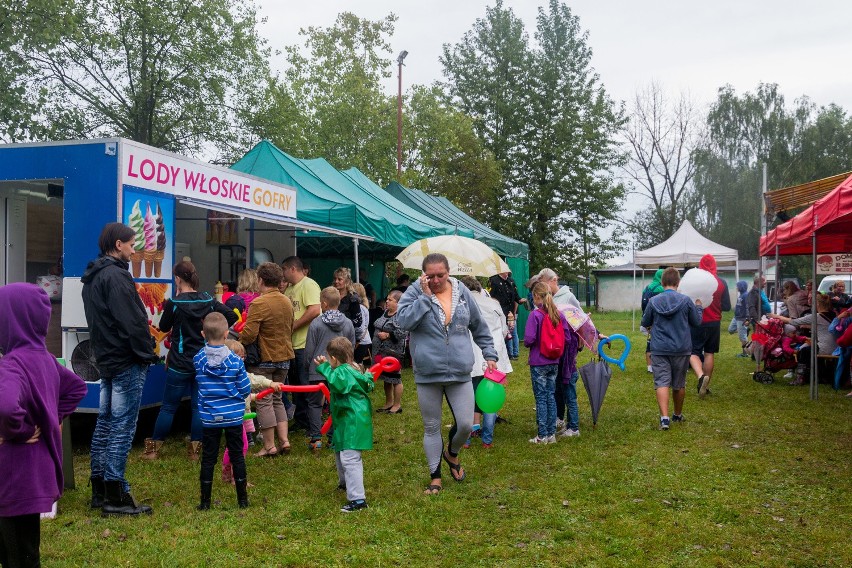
column 532, row 340
column 34, row 391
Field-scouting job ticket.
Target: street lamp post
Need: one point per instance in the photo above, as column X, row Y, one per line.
column 402, row 55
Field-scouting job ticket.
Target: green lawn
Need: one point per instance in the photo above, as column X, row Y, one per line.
column 757, row 475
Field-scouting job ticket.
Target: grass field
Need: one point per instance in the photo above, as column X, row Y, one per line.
column 757, row 475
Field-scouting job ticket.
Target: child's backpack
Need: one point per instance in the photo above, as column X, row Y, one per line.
column 552, row 342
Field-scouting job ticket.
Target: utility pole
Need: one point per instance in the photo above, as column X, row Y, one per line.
column 402, row 55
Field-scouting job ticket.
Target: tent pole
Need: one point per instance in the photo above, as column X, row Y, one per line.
column 814, row 327
column 357, row 267
column 633, row 306
column 777, row 270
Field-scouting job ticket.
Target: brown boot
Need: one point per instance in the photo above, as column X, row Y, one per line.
column 193, row 450
column 152, row 449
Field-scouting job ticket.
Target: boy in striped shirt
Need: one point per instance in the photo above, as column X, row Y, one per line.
column 223, row 386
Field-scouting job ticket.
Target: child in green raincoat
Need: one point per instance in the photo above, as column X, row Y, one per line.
column 351, row 416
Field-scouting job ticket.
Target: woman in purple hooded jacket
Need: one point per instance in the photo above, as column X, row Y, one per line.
column 36, row 394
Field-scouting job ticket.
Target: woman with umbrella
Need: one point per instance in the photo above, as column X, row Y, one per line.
column 441, row 315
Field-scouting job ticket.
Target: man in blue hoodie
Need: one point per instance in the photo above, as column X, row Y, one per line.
column 672, row 314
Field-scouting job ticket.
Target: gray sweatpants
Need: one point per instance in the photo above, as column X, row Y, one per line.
column 460, row 400
column 350, row 472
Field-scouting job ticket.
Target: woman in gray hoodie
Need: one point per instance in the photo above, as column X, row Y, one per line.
column 441, row 316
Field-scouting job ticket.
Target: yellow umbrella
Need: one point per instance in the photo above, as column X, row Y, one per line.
column 466, row 256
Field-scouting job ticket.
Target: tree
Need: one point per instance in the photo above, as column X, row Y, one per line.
column 444, row 156
column 798, row 144
column 177, row 75
column 550, row 124
column 662, row 137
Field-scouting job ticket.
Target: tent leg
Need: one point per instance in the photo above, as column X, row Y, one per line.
column 814, row 328
column 633, row 308
column 357, row 266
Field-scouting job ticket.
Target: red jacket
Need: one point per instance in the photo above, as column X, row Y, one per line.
column 721, row 298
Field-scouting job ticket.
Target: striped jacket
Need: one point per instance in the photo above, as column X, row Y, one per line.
column 223, row 386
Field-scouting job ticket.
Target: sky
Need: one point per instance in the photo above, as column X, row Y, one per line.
column 685, row 46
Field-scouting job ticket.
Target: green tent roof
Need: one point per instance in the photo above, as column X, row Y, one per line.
column 441, row 208
column 332, row 200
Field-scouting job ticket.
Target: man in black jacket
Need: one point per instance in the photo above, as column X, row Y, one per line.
column 503, row 290
column 123, row 348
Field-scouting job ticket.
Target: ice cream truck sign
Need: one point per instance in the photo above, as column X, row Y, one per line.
column 65, row 192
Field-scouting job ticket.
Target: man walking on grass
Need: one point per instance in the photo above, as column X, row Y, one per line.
column 707, row 337
column 673, row 316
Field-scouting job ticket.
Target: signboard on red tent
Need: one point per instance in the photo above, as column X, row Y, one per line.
column 834, row 263
column 158, row 170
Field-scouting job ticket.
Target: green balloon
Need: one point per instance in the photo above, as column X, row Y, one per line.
column 490, row 396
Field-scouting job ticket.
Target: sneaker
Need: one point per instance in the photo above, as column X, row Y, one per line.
column 664, row 423
column 704, row 387
column 538, row 440
column 569, row 433
column 742, row 355
column 487, row 446
column 474, row 433
column 315, row 445
column 550, row 439
column 677, row 417
column 700, row 382
column 353, row 506
column 467, row 444
column 788, row 375
column 560, row 424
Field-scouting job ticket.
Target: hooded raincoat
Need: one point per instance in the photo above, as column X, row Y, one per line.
column 351, row 411
column 721, row 298
column 35, row 391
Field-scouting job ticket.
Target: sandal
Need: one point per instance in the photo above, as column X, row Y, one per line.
column 267, row 453
column 433, row 489
column 456, row 469
column 284, row 448
column 383, row 409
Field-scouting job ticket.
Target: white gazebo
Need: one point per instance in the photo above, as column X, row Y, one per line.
column 684, row 248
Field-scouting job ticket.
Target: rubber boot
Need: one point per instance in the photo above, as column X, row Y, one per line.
column 242, row 493
column 121, row 502
column 152, row 449
column 97, row 484
column 193, row 450
column 206, row 492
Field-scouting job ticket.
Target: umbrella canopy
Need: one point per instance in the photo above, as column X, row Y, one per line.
column 596, row 375
column 467, row 256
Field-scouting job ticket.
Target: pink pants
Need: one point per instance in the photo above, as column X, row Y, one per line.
column 226, row 459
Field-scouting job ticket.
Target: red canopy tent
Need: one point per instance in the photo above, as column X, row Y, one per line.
column 824, row 227
column 830, row 219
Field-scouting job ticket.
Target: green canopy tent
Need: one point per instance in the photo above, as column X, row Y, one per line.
column 515, row 252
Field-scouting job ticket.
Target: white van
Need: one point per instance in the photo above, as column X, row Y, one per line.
column 829, row 280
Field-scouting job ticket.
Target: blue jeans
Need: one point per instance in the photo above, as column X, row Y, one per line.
column 121, row 396
column 513, row 343
column 487, row 431
column 177, row 383
column 570, row 390
column 841, row 372
column 544, row 386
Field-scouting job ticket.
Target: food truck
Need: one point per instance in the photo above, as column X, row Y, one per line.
column 55, row 198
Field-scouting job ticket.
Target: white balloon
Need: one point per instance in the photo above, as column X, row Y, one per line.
column 698, row 284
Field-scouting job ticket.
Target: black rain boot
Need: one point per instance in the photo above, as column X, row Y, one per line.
column 242, row 493
column 97, row 484
column 120, row 502
column 206, row 492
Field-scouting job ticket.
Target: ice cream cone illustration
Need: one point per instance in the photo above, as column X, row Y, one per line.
column 136, row 223
column 161, row 243
column 150, row 230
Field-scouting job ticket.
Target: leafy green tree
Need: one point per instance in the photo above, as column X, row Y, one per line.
column 444, row 156
column 544, row 114
column 173, row 74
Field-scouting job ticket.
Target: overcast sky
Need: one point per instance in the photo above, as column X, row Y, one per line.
column 805, row 47
column 686, row 46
